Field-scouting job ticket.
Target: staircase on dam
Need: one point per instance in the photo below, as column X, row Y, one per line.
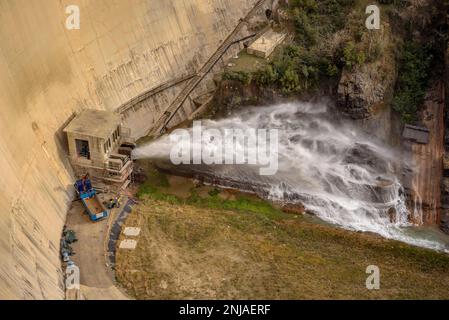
column 153, row 91
column 167, row 115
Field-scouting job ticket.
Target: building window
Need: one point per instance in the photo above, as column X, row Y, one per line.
column 116, row 134
column 82, row 148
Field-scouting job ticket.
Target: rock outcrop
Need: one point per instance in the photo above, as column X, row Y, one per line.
column 362, row 88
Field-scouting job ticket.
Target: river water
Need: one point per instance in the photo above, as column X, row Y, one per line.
column 341, row 174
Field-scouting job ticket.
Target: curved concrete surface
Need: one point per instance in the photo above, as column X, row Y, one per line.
column 47, row 73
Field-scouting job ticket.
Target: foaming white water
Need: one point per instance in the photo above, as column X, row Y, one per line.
column 336, row 171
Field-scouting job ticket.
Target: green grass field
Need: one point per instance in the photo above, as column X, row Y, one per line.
column 220, row 245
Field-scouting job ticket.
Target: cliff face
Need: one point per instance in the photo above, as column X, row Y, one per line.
column 444, row 218
column 363, row 88
column 47, row 73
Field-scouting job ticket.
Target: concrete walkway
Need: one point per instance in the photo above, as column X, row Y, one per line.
column 96, row 277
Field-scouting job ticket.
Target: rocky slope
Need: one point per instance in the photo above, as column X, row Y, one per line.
column 363, row 88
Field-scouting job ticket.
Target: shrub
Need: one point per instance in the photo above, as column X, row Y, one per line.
column 305, row 32
column 332, row 70
column 352, row 56
column 290, row 81
column 266, row 76
column 241, row 76
column 412, row 82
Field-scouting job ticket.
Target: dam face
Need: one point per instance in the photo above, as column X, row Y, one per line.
column 48, row 73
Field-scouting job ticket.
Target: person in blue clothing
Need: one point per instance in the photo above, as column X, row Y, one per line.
column 79, row 186
column 87, row 184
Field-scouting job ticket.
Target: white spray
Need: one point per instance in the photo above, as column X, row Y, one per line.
column 336, row 171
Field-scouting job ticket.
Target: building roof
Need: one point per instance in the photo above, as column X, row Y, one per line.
column 266, row 43
column 416, row 134
column 94, row 123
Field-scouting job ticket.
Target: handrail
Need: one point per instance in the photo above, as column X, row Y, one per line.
column 153, row 91
column 179, row 100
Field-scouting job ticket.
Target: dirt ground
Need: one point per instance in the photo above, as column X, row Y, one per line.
column 191, row 252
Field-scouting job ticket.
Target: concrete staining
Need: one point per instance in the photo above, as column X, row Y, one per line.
column 48, row 73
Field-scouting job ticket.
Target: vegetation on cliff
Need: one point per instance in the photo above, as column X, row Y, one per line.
column 327, row 38
column 331, row 44
column 423, row 28
column 412, row 81
column 300, row 65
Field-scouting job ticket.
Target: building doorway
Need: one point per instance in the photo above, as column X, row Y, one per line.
column 82, row 148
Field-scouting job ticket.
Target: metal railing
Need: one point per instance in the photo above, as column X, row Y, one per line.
column 153, row 91
column 168, row 114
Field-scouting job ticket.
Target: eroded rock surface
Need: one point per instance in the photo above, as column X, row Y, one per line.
column 363, row 88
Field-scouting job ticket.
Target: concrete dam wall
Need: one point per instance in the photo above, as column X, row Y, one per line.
column 48, row 73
